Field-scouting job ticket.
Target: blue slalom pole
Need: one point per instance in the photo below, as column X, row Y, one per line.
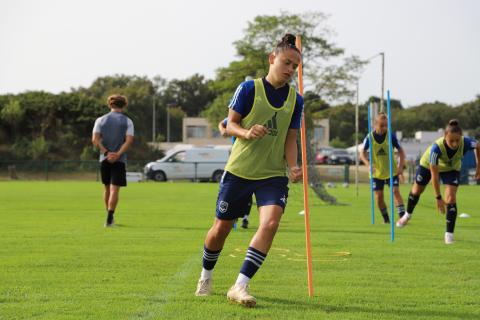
column 390, row 158
column 370, row 160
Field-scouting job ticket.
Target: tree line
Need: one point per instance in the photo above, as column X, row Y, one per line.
column 42, row 125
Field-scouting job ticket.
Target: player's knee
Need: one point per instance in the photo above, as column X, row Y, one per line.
column 221, row 229
column 270, row 226
column 450, row 198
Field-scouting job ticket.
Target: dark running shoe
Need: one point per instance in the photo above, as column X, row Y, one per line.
column 110, row 221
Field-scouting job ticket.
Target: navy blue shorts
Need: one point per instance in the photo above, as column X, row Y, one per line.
column 379, row 183
column 423, row 176
column 235, row 195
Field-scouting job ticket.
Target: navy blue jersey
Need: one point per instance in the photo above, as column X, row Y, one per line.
column 435, row 152
column 379, row 139
column 242, row 101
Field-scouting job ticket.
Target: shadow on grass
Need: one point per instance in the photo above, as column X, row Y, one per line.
column 326, row 231
column 374, row 313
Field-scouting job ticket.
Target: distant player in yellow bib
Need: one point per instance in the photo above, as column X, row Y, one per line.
column 264, row 116
column 442, row 161
column 381, row 164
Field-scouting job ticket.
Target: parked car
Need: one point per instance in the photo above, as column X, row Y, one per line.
column 322, row 156
column 192, row 164
column 339, row 156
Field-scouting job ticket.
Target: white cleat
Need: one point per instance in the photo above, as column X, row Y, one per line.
column 402, row 222
column 204, row 288
column 448, row 238
column 239, row 293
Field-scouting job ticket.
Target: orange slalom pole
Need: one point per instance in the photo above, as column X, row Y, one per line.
column 303, row 138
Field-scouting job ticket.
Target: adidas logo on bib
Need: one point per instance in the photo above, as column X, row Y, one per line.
column 272, row 126
column 381, row 152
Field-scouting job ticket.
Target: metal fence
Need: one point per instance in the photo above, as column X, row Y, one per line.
column 57, row 169
column 90, row 170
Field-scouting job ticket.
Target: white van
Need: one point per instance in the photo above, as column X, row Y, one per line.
column 192, row 164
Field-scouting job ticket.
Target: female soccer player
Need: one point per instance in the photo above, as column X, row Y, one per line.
column 264, row 116
column 381, row 164
column 443, row 159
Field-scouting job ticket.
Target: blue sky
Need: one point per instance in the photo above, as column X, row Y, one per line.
column 432, row 47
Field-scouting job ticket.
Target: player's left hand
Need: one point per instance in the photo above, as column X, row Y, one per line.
column 295, row 174
column 112, row 157
column 477, row 175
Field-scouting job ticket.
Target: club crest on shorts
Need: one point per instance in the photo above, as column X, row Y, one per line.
column 223, row 206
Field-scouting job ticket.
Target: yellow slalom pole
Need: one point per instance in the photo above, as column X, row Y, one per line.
column 303, row 138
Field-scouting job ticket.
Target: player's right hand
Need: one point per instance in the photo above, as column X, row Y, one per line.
column 441, row 206
column 223, row 132
column 256, row 132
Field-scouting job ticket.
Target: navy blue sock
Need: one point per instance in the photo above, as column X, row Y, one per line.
column 401, row 210
column 451, row 216
column 252, row 262
column 210, row 258
column 412, row 202
column 110, row 216
column 385, row 215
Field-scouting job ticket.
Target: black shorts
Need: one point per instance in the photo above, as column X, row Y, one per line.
column 113, row 173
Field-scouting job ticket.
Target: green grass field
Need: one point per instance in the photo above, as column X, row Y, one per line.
column 58, row 262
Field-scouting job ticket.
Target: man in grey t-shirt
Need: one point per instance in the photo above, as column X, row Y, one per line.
column 113, row 135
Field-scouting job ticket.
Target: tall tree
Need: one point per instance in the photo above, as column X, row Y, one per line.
column 192, row 95
column 328, row 72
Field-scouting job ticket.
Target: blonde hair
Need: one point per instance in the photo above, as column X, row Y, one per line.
column 117, row 101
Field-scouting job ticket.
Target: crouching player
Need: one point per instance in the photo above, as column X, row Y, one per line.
column 442, row 161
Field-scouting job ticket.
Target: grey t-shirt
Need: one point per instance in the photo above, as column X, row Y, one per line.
column 113, row 127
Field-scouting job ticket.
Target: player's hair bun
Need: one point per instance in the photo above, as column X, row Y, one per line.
column 453, row 127
column 287, row 42
column 453, row 122
column 289, row 39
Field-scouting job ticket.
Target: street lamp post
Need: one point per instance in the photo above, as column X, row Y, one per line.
column 168, row 124
column 356, row 143
column 153, row 120
column 383, row 79
column 382, row 54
